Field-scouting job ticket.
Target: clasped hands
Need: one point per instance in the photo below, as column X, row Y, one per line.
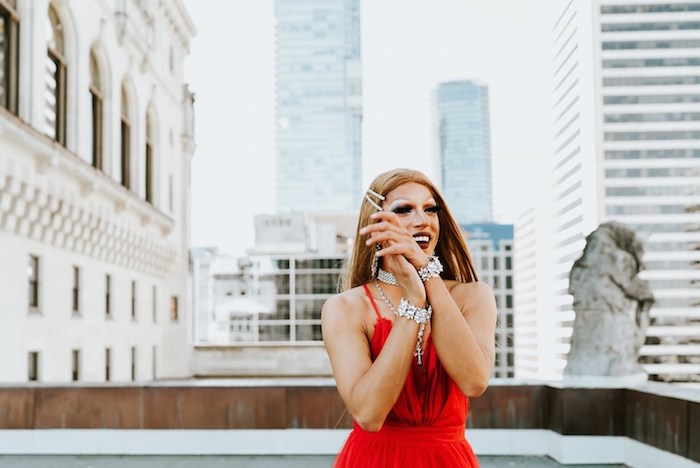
column 400, row 253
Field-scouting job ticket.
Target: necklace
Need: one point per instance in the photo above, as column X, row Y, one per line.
column 386, row 277
column 418, row 353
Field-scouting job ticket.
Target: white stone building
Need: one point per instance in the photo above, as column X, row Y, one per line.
column 260, row 315
column 96, row 136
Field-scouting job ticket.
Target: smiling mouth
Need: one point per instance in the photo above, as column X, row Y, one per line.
column 421, row 239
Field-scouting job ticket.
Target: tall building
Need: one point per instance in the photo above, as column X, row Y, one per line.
column 464, row 149
column 491, row 249
column 533, row 328
column 261, row 315
column 626, row 100
column 96, row 139
column 319, row 106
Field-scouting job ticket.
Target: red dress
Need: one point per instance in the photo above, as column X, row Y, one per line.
column 425, row 428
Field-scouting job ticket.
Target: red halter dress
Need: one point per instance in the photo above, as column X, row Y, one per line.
column 425, row 428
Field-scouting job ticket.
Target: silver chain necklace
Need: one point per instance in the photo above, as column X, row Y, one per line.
column 418, row 353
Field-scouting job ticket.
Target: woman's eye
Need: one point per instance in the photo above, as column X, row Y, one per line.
column 433, row 209
column 402, row 209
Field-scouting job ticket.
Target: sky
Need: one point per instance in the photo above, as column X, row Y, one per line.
column 408, row 48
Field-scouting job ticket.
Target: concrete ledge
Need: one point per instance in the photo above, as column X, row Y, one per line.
column 567, row 450
column 263, row 360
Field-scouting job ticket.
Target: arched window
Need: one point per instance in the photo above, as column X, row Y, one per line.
column 9, row 54
column 96, row 92
column 149, row 157
column 125, row 140
column 55, row 109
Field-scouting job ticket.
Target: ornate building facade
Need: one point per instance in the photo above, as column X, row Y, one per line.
column 96, row 136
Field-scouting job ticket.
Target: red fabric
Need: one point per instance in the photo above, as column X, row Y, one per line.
column 424, row 429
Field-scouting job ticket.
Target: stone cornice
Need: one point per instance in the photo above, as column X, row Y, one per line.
column 49, row 194
column 179, row 19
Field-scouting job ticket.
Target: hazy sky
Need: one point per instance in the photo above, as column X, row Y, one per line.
column 408, row 47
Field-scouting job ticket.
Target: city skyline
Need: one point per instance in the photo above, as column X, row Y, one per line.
column 402, row 66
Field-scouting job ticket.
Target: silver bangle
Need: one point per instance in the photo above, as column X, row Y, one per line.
column 411, row 312
column 431, row 270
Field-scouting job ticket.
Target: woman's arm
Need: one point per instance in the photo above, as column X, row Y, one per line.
column 463, row 328
column 369, row 390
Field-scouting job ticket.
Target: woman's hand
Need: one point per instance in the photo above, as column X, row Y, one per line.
column 400, row 253
column 394, row 238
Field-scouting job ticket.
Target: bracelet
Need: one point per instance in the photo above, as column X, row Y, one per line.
column 411, row 312
column 431, row 270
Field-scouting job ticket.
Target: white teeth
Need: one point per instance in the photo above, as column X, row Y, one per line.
column 422, row 238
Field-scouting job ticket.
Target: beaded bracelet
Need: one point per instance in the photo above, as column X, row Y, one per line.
column 411, row 312
column 431, row 270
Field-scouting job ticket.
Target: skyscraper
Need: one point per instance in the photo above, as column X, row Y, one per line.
column 491, row 249
column 464, row 149
column 627, row 148
column 319, row 105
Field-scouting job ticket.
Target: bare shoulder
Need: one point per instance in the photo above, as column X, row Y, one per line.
column 472, row 295
column 348, row 307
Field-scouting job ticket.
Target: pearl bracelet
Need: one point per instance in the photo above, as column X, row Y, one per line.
column 411, row 312
column 431, row 270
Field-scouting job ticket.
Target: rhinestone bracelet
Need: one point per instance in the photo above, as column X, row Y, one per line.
column 411, row 312
column 431, row 270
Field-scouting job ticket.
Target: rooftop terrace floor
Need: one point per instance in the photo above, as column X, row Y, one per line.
column 317, row 461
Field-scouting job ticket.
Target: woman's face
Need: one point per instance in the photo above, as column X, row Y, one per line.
column 417, row 211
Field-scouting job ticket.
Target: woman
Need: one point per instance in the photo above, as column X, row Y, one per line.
column 411, row 337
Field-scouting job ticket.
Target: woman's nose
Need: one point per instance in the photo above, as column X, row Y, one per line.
column 420, row 218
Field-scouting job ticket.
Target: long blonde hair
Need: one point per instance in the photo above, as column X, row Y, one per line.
column 451, row 248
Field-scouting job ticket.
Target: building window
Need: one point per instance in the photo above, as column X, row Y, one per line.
column 9, row 55
column 56, row 70
column 108, row 364
column 97, row 112
column 155, row 304
column 149, row 158
column 133, row 300
column 125, row 141
column 33, row 276
column 108, row 294
column 33, row 368
column 133, row 363
column 170, row 192
column 76, row 365
column 173, row 308
column 75, row 299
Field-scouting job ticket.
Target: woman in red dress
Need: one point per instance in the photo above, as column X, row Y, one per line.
column 411, row 337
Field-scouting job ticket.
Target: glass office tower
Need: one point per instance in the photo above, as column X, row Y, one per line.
column 319, row 105
column 465, row 149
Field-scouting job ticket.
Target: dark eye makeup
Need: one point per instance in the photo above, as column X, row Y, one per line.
column 404, row 209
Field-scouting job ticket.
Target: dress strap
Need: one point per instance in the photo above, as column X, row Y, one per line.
column 371, row 299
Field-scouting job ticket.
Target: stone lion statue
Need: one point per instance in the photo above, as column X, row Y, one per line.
column 611, row 303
